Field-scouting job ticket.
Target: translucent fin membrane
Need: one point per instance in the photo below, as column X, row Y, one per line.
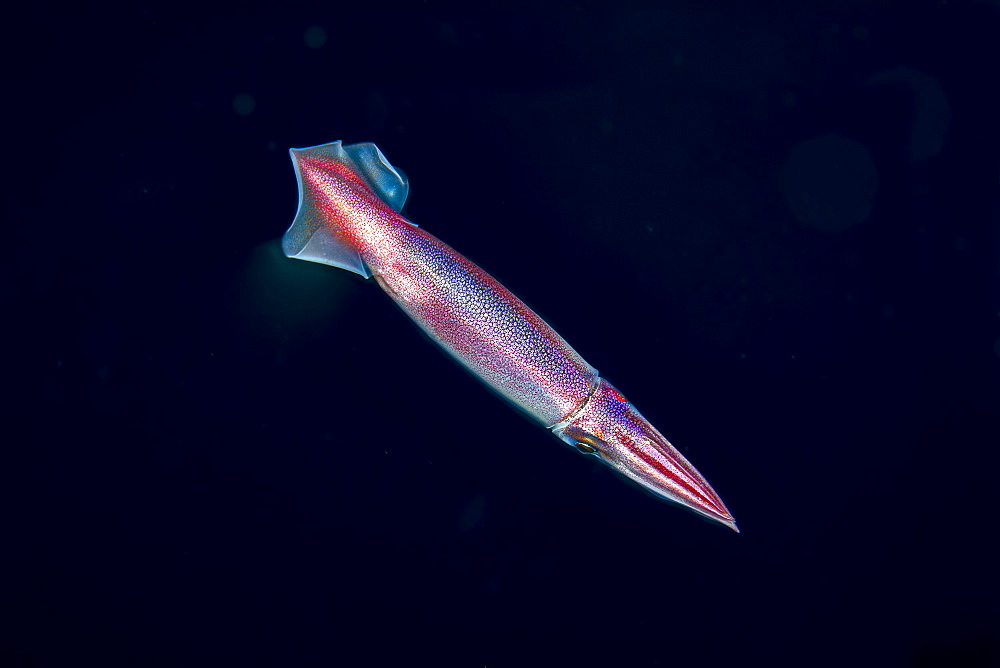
column 309, row 238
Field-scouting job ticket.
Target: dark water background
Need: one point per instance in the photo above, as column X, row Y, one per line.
column 775, row 230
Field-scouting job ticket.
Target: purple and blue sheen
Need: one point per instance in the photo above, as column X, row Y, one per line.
column 349, row 198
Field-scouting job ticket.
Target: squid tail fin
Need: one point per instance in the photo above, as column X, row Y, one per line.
column 308, row 238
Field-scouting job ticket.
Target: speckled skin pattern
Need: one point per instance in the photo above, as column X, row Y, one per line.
column 497, row 337
column 628, row 443
column 460, row 306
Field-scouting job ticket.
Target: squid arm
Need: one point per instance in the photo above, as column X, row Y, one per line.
column 350, row 199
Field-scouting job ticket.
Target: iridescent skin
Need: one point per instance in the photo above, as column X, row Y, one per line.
column 480, row 323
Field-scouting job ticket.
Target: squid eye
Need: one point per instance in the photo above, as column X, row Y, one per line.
column 584, row 442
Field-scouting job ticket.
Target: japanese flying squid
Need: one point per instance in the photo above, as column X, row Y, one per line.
column 350, row 198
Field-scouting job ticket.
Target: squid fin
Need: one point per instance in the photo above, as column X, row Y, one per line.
column 308, row 238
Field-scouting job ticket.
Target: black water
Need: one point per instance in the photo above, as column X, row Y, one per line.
column 775, row 231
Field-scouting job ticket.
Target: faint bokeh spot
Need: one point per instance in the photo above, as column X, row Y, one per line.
column 830, row 183
column 377, row 108
column 473, row 515
column 315, row 37
column 931, row 110
column 244, row 104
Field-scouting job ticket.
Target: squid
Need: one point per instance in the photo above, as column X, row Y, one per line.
column 350, row 198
